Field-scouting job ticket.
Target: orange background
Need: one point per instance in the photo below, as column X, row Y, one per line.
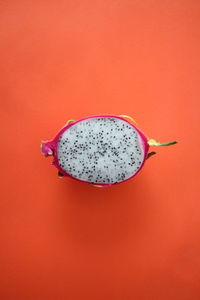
column 61, row 239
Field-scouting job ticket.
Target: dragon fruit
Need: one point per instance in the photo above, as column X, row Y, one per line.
column 100, row 150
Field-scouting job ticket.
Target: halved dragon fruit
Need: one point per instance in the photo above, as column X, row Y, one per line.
column 100, row 150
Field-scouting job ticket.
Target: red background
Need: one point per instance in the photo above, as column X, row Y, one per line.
column 61, row 239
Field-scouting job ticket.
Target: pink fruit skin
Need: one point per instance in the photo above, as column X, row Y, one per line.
column 50, row 148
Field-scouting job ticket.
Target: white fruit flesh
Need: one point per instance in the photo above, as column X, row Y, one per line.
column 103, row 150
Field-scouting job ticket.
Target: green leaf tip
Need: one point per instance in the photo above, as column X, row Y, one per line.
column 128, row 118
column 70, row 121
column 150, row 154
column 60, row 174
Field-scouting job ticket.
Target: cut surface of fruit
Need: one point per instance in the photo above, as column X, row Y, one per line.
column 103, row 150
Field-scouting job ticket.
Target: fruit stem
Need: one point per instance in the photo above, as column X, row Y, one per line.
column 153, row 142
